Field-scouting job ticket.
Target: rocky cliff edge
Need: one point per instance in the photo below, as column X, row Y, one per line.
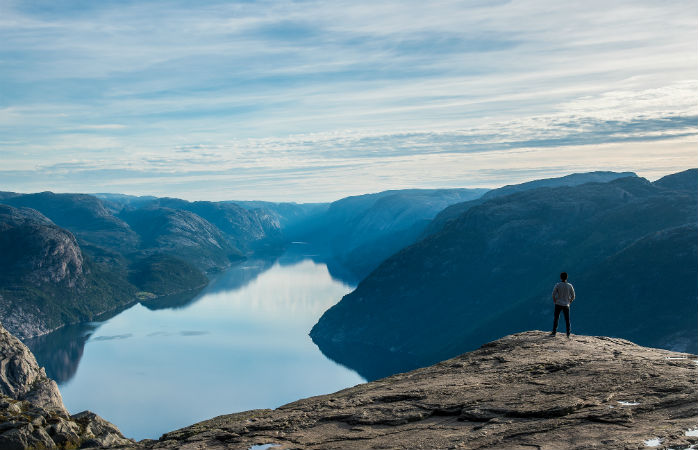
column 527, row 390
column 32, row 414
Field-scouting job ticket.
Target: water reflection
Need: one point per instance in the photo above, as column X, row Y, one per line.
column 372, row 363
column 60, row 352
column 242, row 343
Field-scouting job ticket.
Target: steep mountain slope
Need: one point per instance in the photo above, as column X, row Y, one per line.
column 249, row 226
column 45, row 280
column 361, row 231
column 481, row 273
column 289, row 215
column 75, row 259
column 245, row 229
column 182, row 234
column 162, row 274
column 36, row 250
column 84, row 215
column 521, row 391
column 574, row 179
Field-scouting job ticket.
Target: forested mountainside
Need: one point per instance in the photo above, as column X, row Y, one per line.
column 68, row 258
column 134, row 248
column 45, row 278
column 630, row 247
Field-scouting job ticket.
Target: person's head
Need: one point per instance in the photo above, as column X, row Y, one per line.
column 563, row 276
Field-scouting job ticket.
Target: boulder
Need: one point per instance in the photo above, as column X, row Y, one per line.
column 32, row 414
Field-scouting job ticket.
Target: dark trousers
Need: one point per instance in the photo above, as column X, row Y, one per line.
column 566, row 311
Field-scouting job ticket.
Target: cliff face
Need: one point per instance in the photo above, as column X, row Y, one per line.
column 67, row 258
column 36, row 250
column 21, row 378
column 182, row 234
column 244, row 228
column 35, row 255
column 527, row 390
column 32, row 414
column 46, row 280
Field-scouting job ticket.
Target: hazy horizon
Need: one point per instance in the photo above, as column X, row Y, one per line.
column 654, row 178
column 313, row 101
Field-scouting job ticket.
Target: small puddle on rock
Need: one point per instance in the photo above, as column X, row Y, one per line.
column 628, row 403
column 692, row 432
column 656, row 442
column 263, row 446
column 676, row 357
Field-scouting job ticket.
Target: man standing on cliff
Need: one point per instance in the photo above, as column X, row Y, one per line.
column 563, row 296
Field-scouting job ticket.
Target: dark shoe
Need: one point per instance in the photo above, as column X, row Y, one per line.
column 552, row 334
column 568, row 335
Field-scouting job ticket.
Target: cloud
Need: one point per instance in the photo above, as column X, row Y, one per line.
column 178, row 90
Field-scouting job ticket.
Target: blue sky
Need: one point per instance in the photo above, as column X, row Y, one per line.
column 316, row 100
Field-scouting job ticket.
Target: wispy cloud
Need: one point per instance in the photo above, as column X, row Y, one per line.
column 273, row 99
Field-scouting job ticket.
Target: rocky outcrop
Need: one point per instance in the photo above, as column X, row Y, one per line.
column 527, row 390
column 36, row 256
column 21, row 378
column 32, row 414
column 46, row 280
column 37, row 251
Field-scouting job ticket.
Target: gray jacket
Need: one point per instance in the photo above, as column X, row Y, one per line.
column 563, row 293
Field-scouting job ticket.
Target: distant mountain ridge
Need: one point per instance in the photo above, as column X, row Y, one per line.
column 83, row 214
column 361, row 231
column 574, row 179
column 490, row 271
column 116, row 251
column 134, row 248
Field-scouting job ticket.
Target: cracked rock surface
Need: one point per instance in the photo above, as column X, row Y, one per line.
column 527, row 390
column 32, row 414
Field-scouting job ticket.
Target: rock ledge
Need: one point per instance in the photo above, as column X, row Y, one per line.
column 526, row 390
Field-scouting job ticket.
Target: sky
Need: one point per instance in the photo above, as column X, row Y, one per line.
column 316, row 100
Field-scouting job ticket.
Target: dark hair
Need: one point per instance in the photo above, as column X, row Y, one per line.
column 563, row 276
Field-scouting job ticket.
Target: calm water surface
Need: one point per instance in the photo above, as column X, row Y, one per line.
column 241, row 344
